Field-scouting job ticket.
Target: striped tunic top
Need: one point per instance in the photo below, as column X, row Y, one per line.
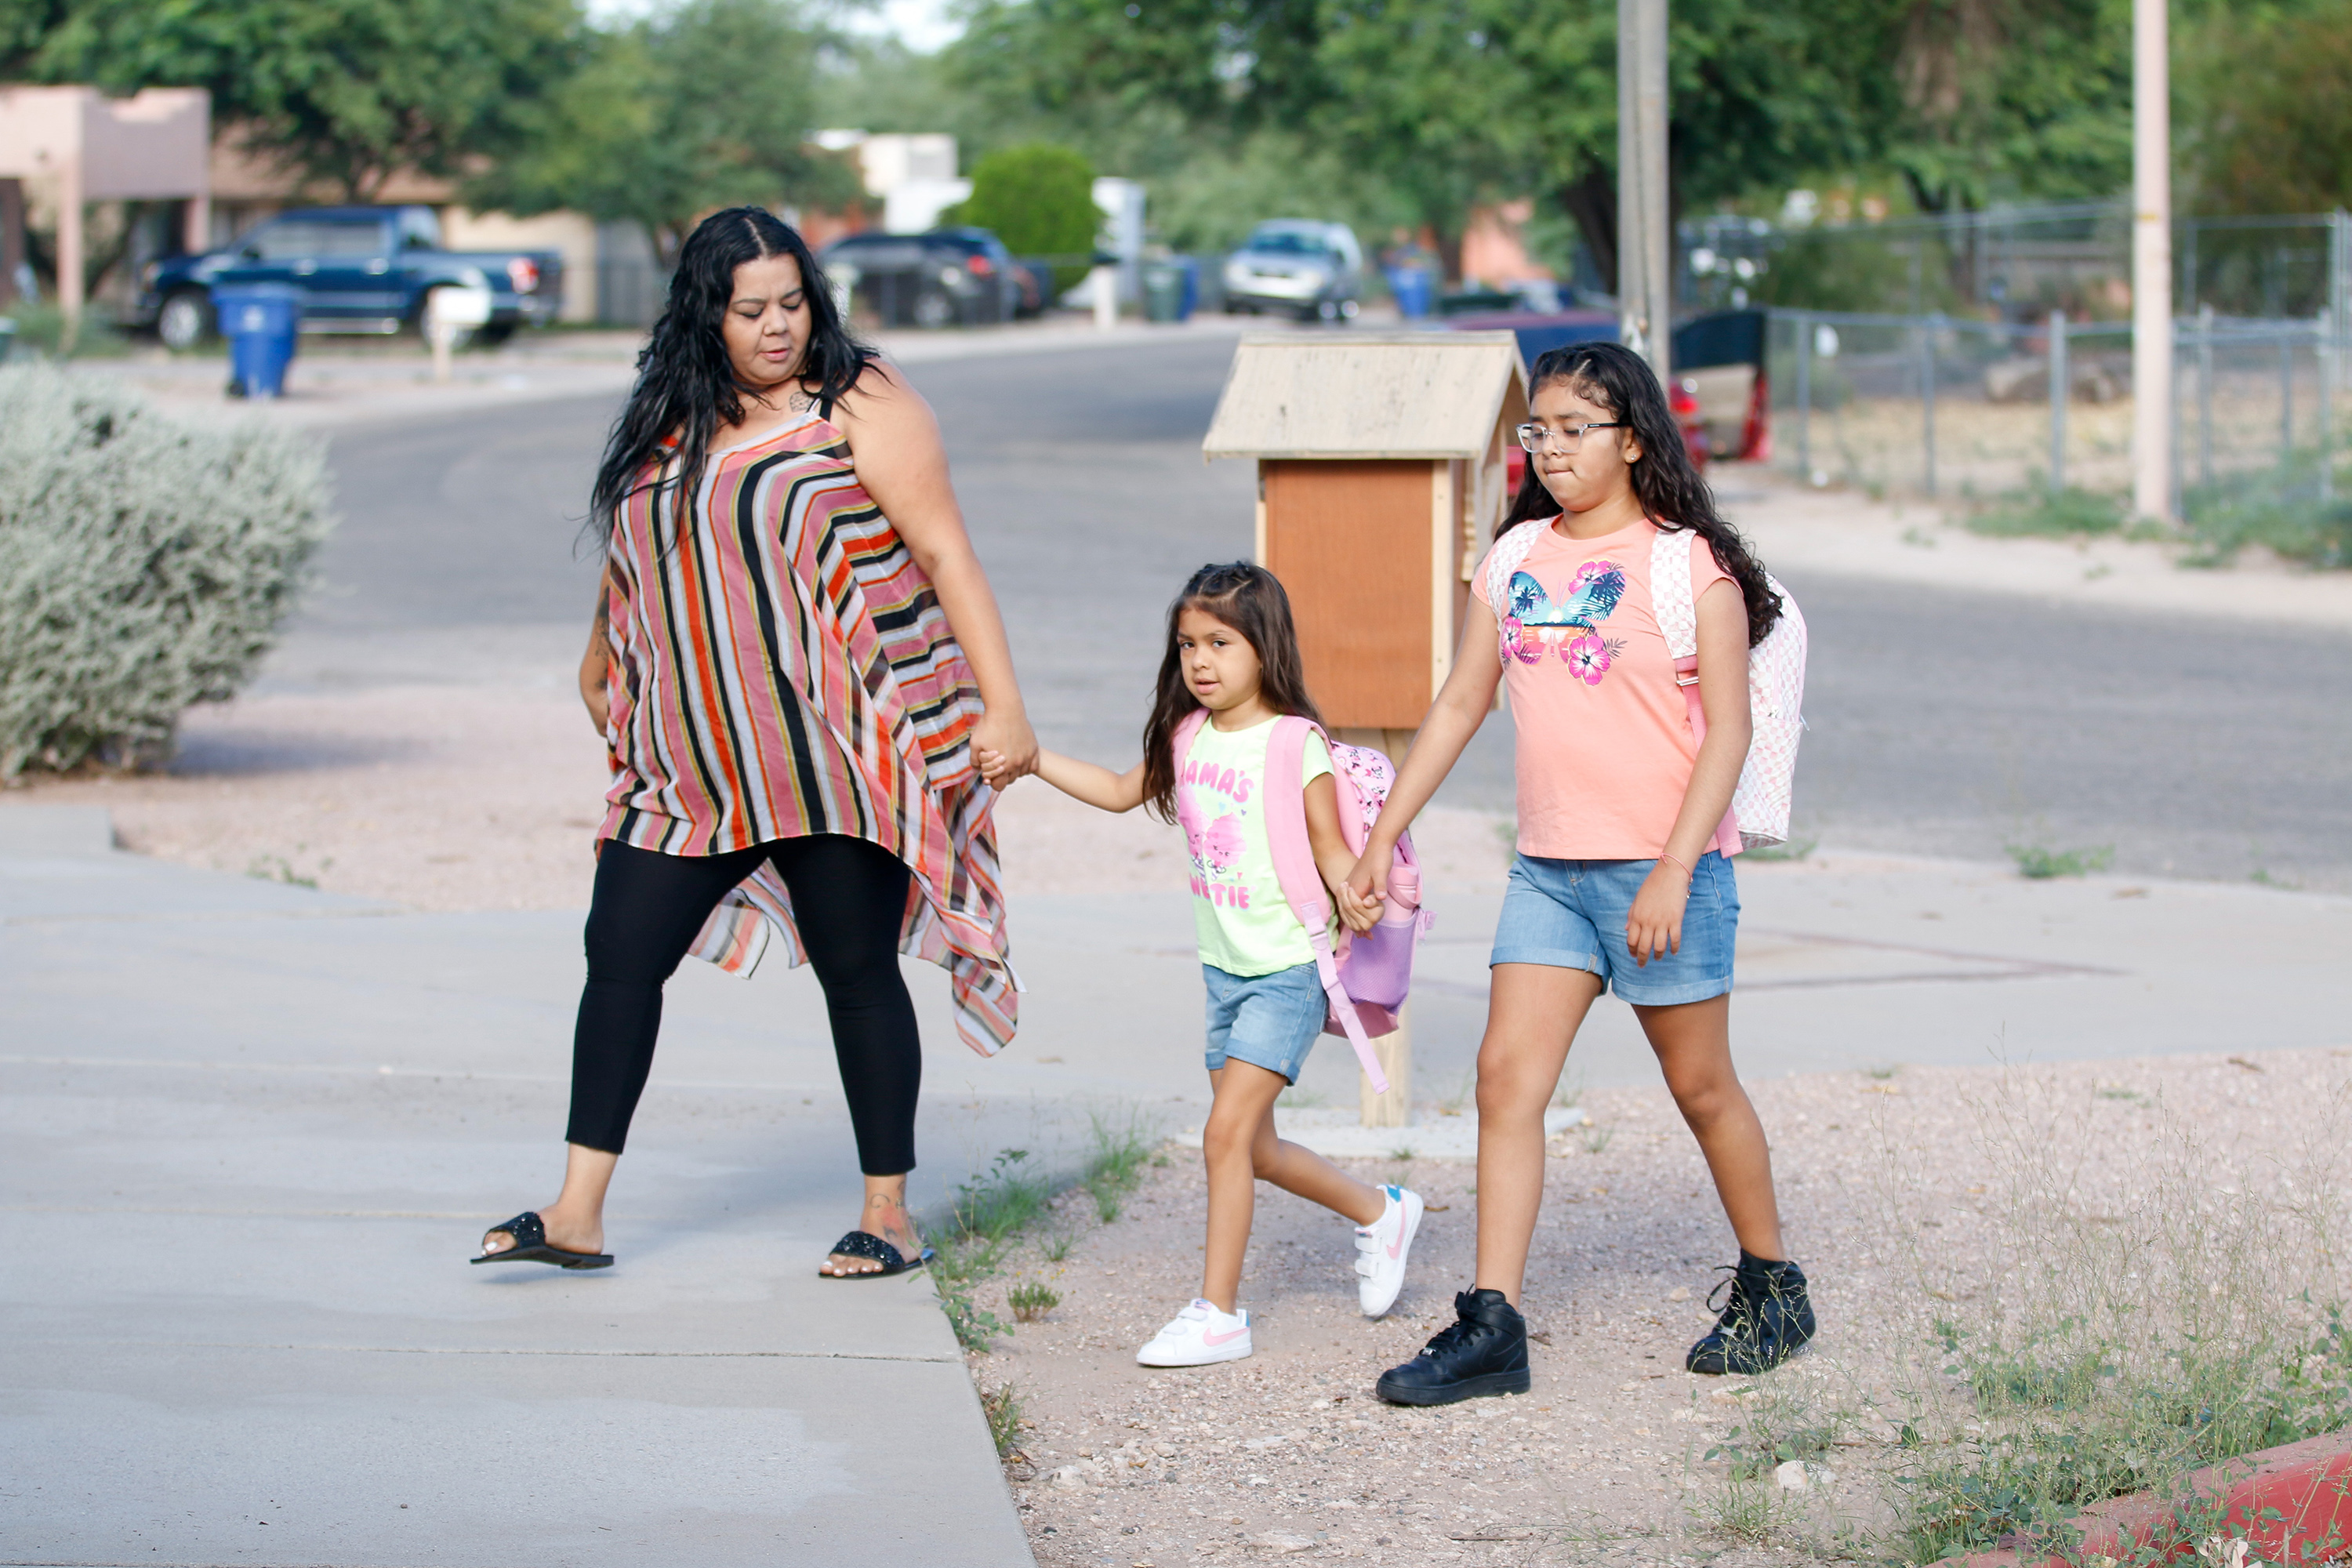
column 785, row 668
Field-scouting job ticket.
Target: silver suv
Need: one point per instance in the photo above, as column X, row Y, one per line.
column 1312, row 270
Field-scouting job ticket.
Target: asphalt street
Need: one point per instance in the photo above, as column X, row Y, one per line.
column 1941, row 722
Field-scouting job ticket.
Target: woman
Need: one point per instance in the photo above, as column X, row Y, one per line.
column 795, row 655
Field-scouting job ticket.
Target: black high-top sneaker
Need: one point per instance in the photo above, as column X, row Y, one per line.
column 1768, row 1318
column 1483, row 1350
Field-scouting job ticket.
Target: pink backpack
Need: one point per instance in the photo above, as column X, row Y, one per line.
column 1366, row 978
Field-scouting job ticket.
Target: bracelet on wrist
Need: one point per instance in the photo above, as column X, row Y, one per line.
column 1689, row 876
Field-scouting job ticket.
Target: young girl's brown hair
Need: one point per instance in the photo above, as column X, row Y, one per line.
column 1248, row 598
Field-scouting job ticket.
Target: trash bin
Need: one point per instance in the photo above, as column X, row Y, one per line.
column 261, row 323
column 7, row 337
column 1413, row 289
column 1163, row 291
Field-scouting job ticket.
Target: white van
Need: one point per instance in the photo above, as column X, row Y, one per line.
column 1312, row 270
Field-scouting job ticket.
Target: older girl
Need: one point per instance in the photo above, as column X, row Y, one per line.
column 1624, row 875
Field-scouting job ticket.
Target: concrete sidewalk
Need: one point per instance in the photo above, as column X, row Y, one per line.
column 254, row 1129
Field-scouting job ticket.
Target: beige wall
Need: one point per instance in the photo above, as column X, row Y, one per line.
column 571, row 234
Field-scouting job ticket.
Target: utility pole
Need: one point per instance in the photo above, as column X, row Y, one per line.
column 2151, row 262
column 1645, row 238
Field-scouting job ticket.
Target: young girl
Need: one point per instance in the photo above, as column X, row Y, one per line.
column 1231, row 649
column 1623, row 876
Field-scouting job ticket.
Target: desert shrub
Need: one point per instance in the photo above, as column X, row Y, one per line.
column 144, row 565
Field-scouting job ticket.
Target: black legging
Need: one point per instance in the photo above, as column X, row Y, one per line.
column 850, row 896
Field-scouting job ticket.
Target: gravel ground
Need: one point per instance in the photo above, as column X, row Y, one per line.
column 1895, row 1193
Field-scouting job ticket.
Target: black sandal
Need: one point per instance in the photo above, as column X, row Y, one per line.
column 865, row 1244
column 531, row 1247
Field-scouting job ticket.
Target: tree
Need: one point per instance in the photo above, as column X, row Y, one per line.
column 346, row 92
column 2007, row 98
column 1040, row 201
column 2276, row 114
column 706, row 106
column 1446, row 103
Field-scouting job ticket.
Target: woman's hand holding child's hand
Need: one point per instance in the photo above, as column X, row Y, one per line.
column 1004, row 747
column 1653, row 926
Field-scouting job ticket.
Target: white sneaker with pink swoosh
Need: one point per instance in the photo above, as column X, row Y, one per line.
column 1382, row 1248
column 1199, row 1335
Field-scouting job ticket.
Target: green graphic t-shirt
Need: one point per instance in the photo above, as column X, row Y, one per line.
column 1245, row 926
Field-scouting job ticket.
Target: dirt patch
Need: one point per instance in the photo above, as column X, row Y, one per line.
column 1890, row 1201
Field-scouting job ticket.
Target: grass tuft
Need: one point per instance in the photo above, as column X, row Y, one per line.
column 1116, row 1166
column 2036, row 513
column 1032, row 1301
column 1002, row 1405
column 2039, row 862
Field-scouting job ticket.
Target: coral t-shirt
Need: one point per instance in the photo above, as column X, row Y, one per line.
column 1605, row 743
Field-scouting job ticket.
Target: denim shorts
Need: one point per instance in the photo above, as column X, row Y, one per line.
column 1267, row 1020
column 1571, row 914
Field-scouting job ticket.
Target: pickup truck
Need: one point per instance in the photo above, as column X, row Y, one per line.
column 360, row 269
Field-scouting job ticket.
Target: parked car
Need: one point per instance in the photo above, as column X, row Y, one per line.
column 942, row 278
column 1312, row 270
column 360, row 269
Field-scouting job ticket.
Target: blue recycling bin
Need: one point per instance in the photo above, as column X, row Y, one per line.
column 1413, row 289
column 262, row 322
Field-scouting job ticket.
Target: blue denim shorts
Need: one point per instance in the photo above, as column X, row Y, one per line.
column 1267, row 1020
column 1571, row 914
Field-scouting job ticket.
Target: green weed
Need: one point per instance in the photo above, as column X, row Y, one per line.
column 1002, row 1405
column 2069, row 513
column 2039, row 862
column 1116, row 1166
column 2278, row 509
column 278, row 868
column 1032, row 1301
column 1596, row 1139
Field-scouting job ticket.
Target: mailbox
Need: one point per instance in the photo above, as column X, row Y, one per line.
column 1381, row 477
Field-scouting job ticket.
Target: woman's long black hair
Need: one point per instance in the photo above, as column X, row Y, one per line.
column 1248, row 598
column 1665, row 481
column 686, row 388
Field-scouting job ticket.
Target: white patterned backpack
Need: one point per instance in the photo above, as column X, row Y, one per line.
column 1776, row 670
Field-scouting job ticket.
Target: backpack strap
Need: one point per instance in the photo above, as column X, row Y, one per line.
column 1678, row 618
column 1302, row 883
column 1181, row 741
column 1510, row 552
column 1670, row 591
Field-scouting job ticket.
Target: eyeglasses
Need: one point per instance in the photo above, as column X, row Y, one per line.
column 1535, row 438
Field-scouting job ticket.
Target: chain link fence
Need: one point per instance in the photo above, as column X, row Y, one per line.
column 1986, row 411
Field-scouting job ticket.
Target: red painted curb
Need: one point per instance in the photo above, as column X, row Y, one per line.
column 2283, row 1501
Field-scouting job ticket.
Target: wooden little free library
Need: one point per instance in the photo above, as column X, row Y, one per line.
column 1381, row 466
